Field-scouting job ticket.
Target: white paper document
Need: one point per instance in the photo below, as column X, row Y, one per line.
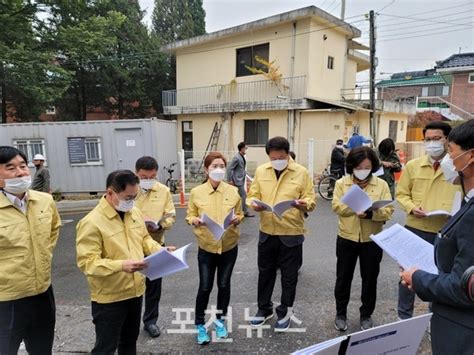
column 358, row 200
column 279, row 208
column 216, row 229
column 406, row 248
column 398, row 338
column 379, row 172
column 164, row 263
column 156, row 223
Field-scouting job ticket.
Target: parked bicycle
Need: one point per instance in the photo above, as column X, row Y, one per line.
column 326, row 184
column 171, row 182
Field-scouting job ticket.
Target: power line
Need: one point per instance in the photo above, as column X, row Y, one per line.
column 425, row 19
column 428, row 30
column 431, row 24
column 429, row 34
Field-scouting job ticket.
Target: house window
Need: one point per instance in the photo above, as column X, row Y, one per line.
column 436, row 90
column 93, row 151
column 30, row 147
column 246, row 58
column 84, row 150
column 445, row 90
column 424, row 91
column 51, row 110
column 330, row 62
column 470, row 79
column 256, row 132
column 392, row 130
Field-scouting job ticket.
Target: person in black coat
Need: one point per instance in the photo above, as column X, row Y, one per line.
column 452, row 324
column 338, row 159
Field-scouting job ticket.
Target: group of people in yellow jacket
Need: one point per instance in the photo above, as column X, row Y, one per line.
column 113, row 239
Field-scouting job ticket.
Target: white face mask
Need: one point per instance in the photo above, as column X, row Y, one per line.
column 340, row 146
column 147, row 184
column 280, row 164
column 434, row 149
column 217, row 174
column 17, row 186
column 449, row 170
column 362, row 174
column 125, row 205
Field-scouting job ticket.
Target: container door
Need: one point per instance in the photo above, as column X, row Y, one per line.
column 130, row 147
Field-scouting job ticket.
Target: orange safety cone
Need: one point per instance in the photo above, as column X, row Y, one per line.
column 401, row 155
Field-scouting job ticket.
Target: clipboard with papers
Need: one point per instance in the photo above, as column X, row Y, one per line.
column 358, row 200
column 164, row 263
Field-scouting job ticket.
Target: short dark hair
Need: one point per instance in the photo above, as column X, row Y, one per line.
column 446, row 128
column 277, row 143
column 339, row 141
column 292, row 155
column 146, row 163
column 7, row 153
column 241, row 145
column 119, row 179
column 386, row 146
column 357, row 155
column 463, row 135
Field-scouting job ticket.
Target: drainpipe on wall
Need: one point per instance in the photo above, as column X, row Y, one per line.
column 291, row 128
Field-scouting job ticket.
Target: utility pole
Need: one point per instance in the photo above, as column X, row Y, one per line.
column 343, row 9
column 373, row 128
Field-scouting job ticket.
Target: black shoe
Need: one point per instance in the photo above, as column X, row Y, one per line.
column 340, row 323
column 366, row 323
column 249, row 215
column 152, row 330
column 260, row 318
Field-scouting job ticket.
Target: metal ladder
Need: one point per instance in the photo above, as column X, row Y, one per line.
column 212, row 144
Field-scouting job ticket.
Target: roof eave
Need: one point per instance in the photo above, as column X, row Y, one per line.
column 455, row 69
column 305, row 12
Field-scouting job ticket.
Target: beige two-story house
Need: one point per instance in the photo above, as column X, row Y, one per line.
column 306, row 94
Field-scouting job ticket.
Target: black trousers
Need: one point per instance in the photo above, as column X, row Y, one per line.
column 272, row 253
column 370, row 256
column 117, row 325
column 209, row 263
column 152, row 301
column 29, row 319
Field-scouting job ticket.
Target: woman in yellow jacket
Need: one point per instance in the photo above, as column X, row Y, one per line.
column 216, row 199
column 353, row 241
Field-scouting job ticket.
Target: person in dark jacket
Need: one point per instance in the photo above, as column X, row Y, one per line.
column 390, row 162
column 452, row 324
column 338, row 159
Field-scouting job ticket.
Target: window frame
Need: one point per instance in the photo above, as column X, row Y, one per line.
column 330, row 63
column 256, row 133
column 29, row 142
column 470, row 78
column 253, row 63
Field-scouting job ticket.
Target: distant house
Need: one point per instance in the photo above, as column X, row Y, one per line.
column 220, row 100
column 447, row 89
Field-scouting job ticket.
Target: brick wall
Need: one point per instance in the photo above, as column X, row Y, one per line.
column 462, row 93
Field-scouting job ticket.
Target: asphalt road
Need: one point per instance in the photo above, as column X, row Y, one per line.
column 315, row 306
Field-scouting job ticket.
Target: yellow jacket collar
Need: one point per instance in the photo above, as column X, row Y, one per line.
column 105, row 206
column 4, row 201
column 291, row 165
column 211, row 190
column 348, row 180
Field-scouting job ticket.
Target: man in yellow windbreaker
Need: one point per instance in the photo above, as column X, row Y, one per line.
column 280, row 240
column 29, row 229
column 111, row 243
column 423, row 188
column 156, row 204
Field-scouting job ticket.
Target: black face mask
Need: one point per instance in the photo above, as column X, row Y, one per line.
column 38, row 166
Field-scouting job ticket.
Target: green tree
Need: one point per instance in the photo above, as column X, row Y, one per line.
column 30, row 78
column 173, row 21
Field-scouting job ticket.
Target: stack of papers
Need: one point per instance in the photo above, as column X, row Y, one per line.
column 358, row 200
column 455, row 208
column 398, row 338
column 216, row 229
column 279, row 208
column 406, row 248
column 164, row 262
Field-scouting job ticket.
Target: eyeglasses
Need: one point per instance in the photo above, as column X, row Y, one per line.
column 434, row 139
